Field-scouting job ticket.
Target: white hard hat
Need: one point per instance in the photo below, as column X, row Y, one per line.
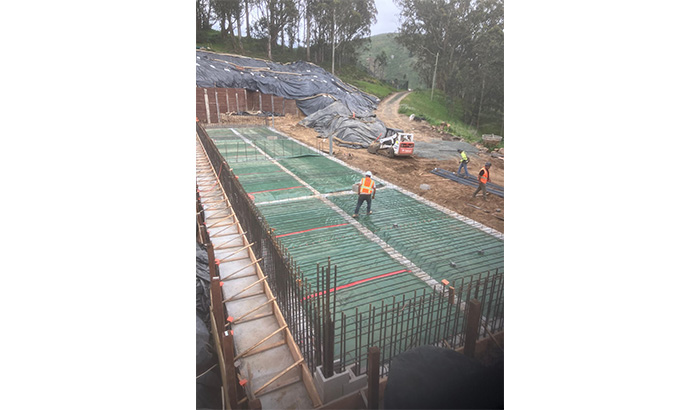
column 369, row 174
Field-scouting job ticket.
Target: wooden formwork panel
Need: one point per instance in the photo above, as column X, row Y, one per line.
column 266, row 103
column 232, row 100
column 236, row 99
column 290, row 108
column 214, row 104
column 200, row 109
column 254, row 100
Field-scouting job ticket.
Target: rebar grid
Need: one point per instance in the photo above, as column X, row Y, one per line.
column 437, row 317
column 433, row 317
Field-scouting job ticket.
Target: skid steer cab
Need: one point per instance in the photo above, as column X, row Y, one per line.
column 394, row 143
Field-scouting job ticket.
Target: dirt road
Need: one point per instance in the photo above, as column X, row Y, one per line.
column 409, row 173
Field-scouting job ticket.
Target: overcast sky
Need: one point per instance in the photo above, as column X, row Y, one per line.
column 387, row 17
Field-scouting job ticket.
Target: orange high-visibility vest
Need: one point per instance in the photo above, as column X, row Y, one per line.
column 366, row 186
column 484, row 178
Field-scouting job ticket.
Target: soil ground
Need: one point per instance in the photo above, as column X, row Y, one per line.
column 410, row 172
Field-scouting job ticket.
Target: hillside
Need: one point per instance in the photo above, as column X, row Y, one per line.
column 399, row 62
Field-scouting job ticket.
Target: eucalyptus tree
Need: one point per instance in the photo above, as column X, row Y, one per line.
column 275, row 16
column 459, row 43
column 229, row 11
column 340, row 25
column 203, row 18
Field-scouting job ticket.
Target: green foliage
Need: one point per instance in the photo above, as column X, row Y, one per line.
column 374, row 87
column 440, row 109
column 465, row 39
column 399, row 61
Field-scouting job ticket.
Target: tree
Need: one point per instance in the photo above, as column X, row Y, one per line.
column 203, row 19
column 379, row 63
column 468, row 36
column 229, row 11
column 276, row 14
column 342, row 25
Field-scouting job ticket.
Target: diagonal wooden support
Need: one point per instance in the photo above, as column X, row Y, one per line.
column 211, row 202
column 285, row 371
column 250, row 296
column 218, row 233
column 259, row 343
column 221, row 246
column 246, row 288
column 226, row 259
column 256, row 317
column 227, row 221
column 239, row 270
column 238, row 319
column 218, row 212
column 230, row 217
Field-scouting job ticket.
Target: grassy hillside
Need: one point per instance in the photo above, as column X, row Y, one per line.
column 438, row 110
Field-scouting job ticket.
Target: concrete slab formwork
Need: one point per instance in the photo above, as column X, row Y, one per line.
column 266, row 355
column 408, row 244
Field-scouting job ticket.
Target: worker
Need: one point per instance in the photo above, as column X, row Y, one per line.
column 463, row 161
column 484, row 177
column 366, row 192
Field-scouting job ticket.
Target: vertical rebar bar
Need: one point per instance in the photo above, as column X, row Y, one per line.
column 391, row 333
column 343, row 342
column 419, row 338
column 428, row 339
column 458, row 311
column 357, row 342
column 335, row 286
column 403, row 307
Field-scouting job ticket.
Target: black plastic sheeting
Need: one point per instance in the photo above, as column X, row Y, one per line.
column 343, row 111
column 208, row 372
column 471, row 180
column 430, row 377
column 337, row 120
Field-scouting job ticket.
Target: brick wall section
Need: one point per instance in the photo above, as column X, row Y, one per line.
column 223, row 100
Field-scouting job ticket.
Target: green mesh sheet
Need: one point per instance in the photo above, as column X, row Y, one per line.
column 440, row 245
column 275, row 144
column 323, row 174
column 266, row 181
column 221, row 133
column 312, row 232
column 238, row 151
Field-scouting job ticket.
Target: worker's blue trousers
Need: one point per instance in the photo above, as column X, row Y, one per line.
column 463, row 165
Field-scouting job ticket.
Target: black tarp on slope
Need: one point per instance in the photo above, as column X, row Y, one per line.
column 209, row 375
column 313, row 88
column 337, row 120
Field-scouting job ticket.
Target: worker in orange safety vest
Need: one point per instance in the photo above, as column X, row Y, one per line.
column 484, row 177
column 365, row 192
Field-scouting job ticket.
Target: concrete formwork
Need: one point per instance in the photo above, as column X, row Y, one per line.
column 266, row 355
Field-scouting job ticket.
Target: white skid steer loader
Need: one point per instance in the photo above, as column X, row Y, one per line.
column 395, row 143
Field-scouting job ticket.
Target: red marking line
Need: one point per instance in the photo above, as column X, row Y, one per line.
column 278, row 189
column 307, row 230
column 358, row 282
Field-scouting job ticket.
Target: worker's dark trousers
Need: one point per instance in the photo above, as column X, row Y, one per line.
column 482, row 187
column 362, row 198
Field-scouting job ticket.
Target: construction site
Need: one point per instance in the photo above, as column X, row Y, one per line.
column 304, row 305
